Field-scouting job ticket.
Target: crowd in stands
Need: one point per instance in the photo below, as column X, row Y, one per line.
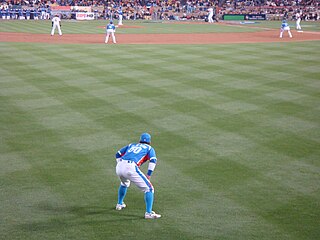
column 176, row 9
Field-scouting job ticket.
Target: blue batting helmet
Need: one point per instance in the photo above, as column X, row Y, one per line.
column 145, row 137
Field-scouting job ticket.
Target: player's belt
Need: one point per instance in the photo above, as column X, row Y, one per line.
column 127, row 161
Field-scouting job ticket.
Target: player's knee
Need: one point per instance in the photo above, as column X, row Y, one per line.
column 148, row 189
column 125, row 184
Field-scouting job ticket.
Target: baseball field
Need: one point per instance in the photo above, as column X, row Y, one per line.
column 233, row 110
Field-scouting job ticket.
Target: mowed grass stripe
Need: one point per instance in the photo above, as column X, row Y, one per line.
column 98, row 27
column 211, row 145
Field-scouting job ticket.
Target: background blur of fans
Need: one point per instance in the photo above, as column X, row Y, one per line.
column 196, row 10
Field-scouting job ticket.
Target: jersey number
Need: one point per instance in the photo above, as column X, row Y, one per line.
column 135, row 149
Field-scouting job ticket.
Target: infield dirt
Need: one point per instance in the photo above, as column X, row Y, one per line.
column 206, row 38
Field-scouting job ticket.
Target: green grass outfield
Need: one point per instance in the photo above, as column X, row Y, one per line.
column 74, row 27
column 236, row 129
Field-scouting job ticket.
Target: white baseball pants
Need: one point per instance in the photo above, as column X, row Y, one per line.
column 110, row 31
column 129, row 172
column 56, row 25
column 285, row 29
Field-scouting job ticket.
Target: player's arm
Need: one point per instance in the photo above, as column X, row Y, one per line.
column 152, row 163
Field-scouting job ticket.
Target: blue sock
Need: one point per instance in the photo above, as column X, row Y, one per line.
column 122, row 193
column 148, row 198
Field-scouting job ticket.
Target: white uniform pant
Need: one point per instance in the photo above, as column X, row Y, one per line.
column 285, row 29
column 298, row 27
column 129, row 172
column 210, row 18
column 56, row 25
column 43, row 15
column 120, row 20
column 110, row 31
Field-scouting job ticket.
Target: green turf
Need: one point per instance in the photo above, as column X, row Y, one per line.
column 236, row 133
column 141, row 27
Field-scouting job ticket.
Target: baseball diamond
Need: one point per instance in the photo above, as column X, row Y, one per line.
column 232, row 108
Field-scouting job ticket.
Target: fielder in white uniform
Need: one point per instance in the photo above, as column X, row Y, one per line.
column 120, row 14
column 285, row 27
column 110, row 29
column 210, row 16
column 129, row 159
column 56, row 23
column 298, row 20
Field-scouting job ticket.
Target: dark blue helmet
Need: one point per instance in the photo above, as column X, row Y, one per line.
column 111, row 21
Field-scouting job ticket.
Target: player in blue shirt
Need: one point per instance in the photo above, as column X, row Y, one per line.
column 7, row 14
column 36, row 14
column 129, row 159
column 20, row 13
column 110, row 29
column 28, row 13
column 285, row 27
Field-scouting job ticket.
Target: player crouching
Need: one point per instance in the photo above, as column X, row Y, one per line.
column 285, row 27
column 129, row 159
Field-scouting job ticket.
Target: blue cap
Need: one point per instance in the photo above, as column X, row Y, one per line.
column 111, row 21
column 145, row 137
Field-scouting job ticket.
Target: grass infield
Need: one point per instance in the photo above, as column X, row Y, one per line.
column 235, row 128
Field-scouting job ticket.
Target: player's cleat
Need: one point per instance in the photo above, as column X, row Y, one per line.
column 120, row 206
column 151, row 215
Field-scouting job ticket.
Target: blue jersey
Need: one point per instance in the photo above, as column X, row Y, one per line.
column 110, row 26
column 137, row 152
column 283, row 25
column 120, row 12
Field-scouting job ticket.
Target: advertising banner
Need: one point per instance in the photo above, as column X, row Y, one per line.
column 255, row 17
column 85, row 16
column 82, row 8
column 244, row 17
column 60, row 8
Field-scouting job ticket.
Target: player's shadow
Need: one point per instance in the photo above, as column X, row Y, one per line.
column 85, row 211
column 69, row 216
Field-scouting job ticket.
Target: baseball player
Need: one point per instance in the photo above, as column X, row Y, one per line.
column 3, row 13
column 120, row 14
column 43, row 13
column 28, row 13
column 110, row 29
column 298, row 20
column 20, row 13
column 36, row 14
column 56, row 23
column 285, row 27
column 129, row 159
column 210, row 16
